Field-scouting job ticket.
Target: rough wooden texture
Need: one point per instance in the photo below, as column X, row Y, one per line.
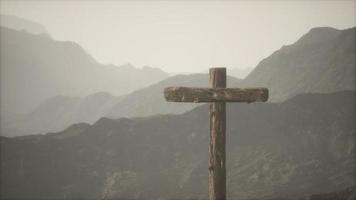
column 217, row 116
column 218, row 94
column 198, row 95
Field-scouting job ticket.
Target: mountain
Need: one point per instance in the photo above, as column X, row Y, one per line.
column 323, row 60
column 150, row 100
column 239, row 73
column 35, row 68
column 59, row 112
column 288, row 150
column 345, row 194
column 21, row 24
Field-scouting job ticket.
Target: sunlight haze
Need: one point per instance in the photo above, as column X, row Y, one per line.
column 188, row 36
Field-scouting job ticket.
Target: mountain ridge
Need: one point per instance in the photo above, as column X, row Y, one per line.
column 292, row 149
column 44, row 68
column 312, row 64
column 59, row 112
column 21, row 24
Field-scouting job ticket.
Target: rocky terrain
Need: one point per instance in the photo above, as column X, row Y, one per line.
column 301, row 147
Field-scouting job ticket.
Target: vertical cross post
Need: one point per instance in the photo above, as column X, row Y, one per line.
column 217, row 96
column 217, row 157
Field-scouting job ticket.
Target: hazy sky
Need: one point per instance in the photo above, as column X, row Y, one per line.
column 186, row 36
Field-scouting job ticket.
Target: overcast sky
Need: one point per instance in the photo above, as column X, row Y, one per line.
column 187, row 36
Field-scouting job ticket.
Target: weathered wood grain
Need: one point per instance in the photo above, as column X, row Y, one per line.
column 198, row 95
column 217, row 157
column 217, row 95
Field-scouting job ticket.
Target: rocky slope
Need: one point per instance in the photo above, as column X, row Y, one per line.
column 323, row 61
column 303, row 146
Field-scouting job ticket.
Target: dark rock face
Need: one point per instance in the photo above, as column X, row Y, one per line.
column 321, row 61
column 294, row 149
column 346, row 194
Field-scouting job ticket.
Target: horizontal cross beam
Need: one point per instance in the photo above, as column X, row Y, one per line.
column 196, row 95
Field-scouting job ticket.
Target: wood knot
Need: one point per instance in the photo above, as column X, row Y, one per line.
column 210, row 168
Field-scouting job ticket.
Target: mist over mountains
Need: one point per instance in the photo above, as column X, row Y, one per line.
column 105, row 132
column 309, row 65
column 21, row 24
column 239, row 73
column 60, row 112
column 35, row 68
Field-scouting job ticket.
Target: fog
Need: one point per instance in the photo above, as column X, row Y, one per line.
column 83, row 114
column 187, row 36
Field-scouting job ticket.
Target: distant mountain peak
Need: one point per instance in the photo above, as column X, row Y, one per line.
column 156, row 69
column 51, row 67
column 323, row 29
column 21, row 24
column 100, row 94
column 105, row 122
column 322, row 61
column 318, row 34
column 127, row 66
column 146, row 67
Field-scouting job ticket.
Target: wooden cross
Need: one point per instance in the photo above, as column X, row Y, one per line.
column 217, row 95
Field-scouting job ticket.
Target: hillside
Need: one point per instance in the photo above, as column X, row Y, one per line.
column 150, row 101
column 303, row 146
column 322, row 61
column 59, row 112
column 35, row 68
column 239, row 73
